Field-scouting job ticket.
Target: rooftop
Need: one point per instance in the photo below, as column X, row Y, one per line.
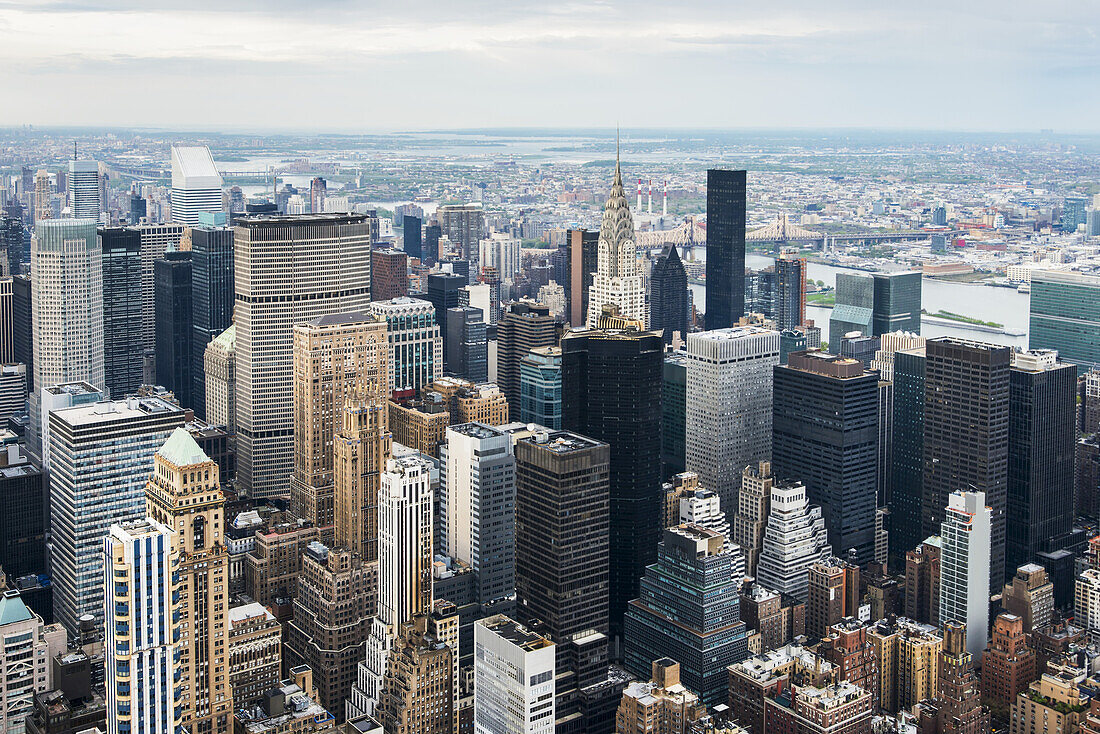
column 115, row 410
column 194, row 167
column 560, row 442
column 336, row 319
column 12, row 609
column 476, row 430
column 249, row 611
column 515, row 633
column 181, row 450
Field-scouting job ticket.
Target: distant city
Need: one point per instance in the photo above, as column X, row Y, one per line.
column 657, row 431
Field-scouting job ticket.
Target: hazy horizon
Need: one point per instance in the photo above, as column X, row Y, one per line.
column 338, row 65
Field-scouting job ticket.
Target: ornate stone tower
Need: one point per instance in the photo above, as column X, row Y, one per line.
column 184, row 495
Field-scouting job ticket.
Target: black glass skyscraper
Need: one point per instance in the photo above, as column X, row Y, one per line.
column 725, row 248
column 907, row 460
column 138, row 209
column 789, row 310
column 432, row 233
column 443, row 293
column 22, row 331
column 966, row 390
column 211, row 300
column 897, row 303
column 668, row 305
column 12, row 244
column 611, row 391
column 122, row 345
column 825, row 434
column 466, row 345
column 411, row 235
column 1042, row 438
column 172, row 299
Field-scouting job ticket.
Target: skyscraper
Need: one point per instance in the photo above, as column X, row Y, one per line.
column 156, row 239
column 1074, row 212
column 668, row 296
column 84, row 189
column 618, row 279
column 1042, row 438
column 907, row 454
column 825, row 434
column 173, row 277
column 219, row 366
column 443, row 293
column 964, row 564
column 540, row 387
column 673, row 414
column 288, row 270
column 183, row 494
column 562, row 543
column 966, row 429
column 404, row 567
column 430, row 252
column 726, row 192
column 123, row 350
column 337, row 358
column 688, row 607
column 477, row 505
column 66, row 309
column 789, row 308
column 1065, row 316
column 463, row 225
column 412, row 236
column 729, row 414
column 751, row 514
column 100, row 454
column 514, row 677
column 389, row 274
column 22, row 330
column 7, row 352
column 361, row 448
column 465, row 345
column 196, row 184
column 500, row 251
column 583, row 248
column 23, row 501
column 522, row 327
column 139, row 570
column 416, row 345
column 611, row 391
column 211, row 300
column 795, row 539
column 875, row 305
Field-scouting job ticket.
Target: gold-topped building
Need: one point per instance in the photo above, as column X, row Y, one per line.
column 183, row 494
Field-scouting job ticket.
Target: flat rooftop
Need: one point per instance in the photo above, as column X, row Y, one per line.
column 476, row 430
column 561, row 442
column 515, row 633
column 115, row 410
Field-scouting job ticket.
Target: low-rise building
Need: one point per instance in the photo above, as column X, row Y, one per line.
column 255, row 652
column 660, row 706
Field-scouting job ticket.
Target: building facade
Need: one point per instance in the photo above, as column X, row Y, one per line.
column 726, row 192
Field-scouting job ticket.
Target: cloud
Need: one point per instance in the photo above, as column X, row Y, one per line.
column 437, row 63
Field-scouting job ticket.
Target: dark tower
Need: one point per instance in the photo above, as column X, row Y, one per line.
column 562, row 543
column 584, row 255
column 789, row 309
column 668, row 302
column 172, row 277
column 522, row 327
column 443, row 293
column 122, row 345
column 432, row 233
column 22, row 332
column 907, row 464
column 825, row 433
column 966, row 390
column 411, row 237
column 725, row 248
column 1042, row 439
column 611, row 391
column 211, row 300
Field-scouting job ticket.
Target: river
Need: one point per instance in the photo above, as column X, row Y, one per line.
column 1003, row 305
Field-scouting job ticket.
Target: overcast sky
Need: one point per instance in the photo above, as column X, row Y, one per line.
column 363, row 65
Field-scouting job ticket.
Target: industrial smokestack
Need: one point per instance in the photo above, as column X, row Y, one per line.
column 650, row 202
column 664, row 202
column 639, row 207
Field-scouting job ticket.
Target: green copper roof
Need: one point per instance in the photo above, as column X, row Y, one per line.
column 180, row 449
column 227, row 338
column 12, row 609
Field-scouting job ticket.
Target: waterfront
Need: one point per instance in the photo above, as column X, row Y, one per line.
column 1003, row 305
